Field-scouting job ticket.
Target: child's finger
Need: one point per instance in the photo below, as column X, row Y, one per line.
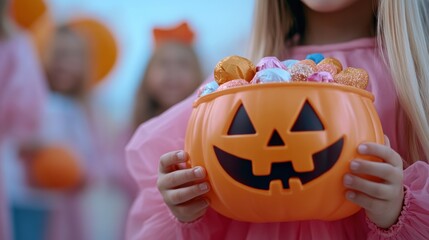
column 168, row 160
column 177, row 178
column 386, row 141
column 370, row 188
column 381, row 170
column 373, row 205
column 381, row 151
column 183, row 195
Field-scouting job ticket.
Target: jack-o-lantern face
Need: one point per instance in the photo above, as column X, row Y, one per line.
column 278, row 152
column 241, row 169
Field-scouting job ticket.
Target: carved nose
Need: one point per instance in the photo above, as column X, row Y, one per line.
column 275, row 140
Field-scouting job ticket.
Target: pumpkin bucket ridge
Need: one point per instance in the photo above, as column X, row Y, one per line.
column 339, row 87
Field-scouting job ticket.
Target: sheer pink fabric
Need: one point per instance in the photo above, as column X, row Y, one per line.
column 151, row 219
column 22, row 93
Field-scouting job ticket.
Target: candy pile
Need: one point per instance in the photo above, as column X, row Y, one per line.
column 237, row 71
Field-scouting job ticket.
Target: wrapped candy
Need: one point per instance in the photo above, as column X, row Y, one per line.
column 316, row 57
column 289, row 63
column 356, row 77
column 232, row 84
column 324, row 77
column 234, row 67
column 309, row 63
column 300, row 72
column 271, row 75
column 208, row 88
column 327, row 67
column 334, row 62
column 236, row 71
column 269, row 62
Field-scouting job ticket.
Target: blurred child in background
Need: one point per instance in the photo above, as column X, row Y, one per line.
column 96, row 207
column 66, row 125
column 172, row 74
column 22, row 94
column 68, row 120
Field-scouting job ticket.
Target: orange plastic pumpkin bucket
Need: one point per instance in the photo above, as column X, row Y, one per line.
column 278, row 152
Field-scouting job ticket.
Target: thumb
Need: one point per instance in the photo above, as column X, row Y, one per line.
column 386, row 141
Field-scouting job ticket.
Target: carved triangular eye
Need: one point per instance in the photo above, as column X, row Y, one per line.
column 241, row 124
column 307, row 120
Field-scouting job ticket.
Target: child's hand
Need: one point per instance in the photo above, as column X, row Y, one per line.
column 182, row 187
column 381, row 200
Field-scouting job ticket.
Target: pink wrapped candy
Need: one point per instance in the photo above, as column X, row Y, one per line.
column 233, row 84
column 269, row 62
column 324, row 77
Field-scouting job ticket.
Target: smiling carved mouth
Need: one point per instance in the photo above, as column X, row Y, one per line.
column 241, row 169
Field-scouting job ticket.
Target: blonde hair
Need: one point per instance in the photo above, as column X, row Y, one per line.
column 403, row 31
column 274, row 22
column 146, row 106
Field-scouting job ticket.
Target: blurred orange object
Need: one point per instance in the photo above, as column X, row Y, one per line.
column 104, row 49
column 33, row 16
column 56, row 168
column 181, row 33
column 27, row 12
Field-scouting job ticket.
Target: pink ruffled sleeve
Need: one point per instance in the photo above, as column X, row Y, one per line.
column 149, row 217
column 413, row 223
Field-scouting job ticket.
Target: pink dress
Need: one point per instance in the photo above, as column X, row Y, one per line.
column 151, row 219
column 22, row 94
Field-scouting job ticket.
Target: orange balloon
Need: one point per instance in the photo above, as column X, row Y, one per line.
column 56, row 168
column 34, row 16
column 27, row 12
column 102, row 42
column 278, row 152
